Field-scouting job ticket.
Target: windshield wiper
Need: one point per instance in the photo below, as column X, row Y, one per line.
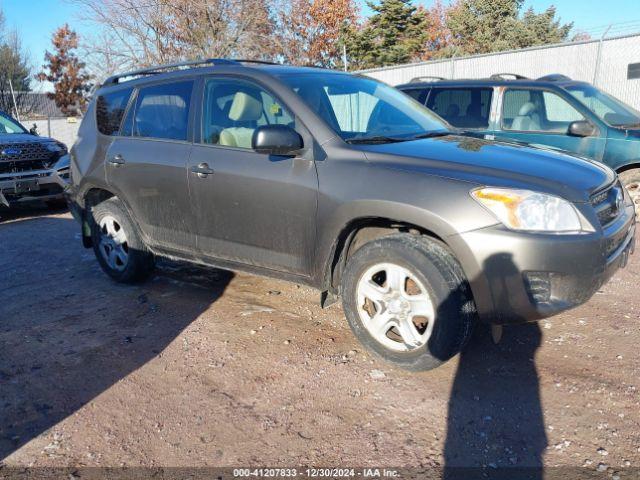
column 375, row 139
column 439, row 133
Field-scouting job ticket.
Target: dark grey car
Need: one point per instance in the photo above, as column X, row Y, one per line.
column 345, row 184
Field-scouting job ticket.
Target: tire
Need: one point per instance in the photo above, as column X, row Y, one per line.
column 429, row 268
column 117, row 245
column 631, row 181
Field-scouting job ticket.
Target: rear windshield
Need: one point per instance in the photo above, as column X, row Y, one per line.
column 110, row 109
column 462, row 107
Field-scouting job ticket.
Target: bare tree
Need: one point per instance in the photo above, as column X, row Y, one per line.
column 136, row 33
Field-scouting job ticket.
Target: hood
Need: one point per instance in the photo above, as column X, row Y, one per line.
column 501, row 164
column 23, row 138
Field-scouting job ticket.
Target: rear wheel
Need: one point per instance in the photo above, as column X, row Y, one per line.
column 119, row 249
column 406, row 299
column 631, row 181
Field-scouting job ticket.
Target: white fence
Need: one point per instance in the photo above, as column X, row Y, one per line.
column 62, row 129
column 602, row 62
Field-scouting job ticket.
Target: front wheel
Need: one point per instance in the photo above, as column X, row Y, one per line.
column 407, row 299
column 631, row 181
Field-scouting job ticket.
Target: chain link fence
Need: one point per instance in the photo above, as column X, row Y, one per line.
column 609, row 63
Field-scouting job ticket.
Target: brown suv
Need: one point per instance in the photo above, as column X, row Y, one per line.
column 348, row 185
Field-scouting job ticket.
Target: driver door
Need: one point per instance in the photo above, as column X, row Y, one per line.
column 251, row 208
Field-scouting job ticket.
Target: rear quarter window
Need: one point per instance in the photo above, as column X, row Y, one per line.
column 462, row 107
column 110, row 109
column 419, row 94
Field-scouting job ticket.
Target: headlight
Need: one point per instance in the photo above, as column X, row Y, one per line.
column 531, row 211
column 57, row 147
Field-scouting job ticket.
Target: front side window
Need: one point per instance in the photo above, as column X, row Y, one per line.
column 361, row 109
column 110, row 109
column 537, row 110
column 462, row 107
column 233, row 109
column 607, row 108
column 162, row 111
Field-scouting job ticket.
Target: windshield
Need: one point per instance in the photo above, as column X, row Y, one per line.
column 363, row 110
column 608, row 108
column 9, row 125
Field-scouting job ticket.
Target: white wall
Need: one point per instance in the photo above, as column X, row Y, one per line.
column 576, row 60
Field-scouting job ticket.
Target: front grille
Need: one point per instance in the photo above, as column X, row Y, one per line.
column 606, row 204
column 24, row 157
column 21, row 166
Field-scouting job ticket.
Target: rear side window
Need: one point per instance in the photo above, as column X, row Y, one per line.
column 162, row 111
column 110, row 109
column 462, row 107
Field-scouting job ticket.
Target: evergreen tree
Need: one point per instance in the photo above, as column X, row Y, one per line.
column 395, row 33
column 14, row 72
column 484, row 26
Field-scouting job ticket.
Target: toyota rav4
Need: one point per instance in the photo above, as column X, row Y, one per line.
column 345, row 184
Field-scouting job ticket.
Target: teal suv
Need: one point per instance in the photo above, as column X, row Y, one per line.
column 553, row 111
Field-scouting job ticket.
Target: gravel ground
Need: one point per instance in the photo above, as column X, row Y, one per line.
column 201, row 367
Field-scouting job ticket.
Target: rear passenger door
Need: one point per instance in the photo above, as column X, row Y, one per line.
column 542, row 117
column 251, row 208
column 467, row 108
column 147, row 164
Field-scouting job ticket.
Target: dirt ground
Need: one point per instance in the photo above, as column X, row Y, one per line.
column 202, row 367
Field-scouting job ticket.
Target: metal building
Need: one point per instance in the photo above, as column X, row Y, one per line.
column 612, row 64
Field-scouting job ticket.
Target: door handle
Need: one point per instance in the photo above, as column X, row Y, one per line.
column 202, row 170
column 116, row 160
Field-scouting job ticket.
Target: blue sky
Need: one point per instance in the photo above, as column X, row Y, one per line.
column 36, row 20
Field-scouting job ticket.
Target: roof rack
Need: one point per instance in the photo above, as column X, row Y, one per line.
column 501, row 76
column 554, row 77
column 427, row 79
column 115, row 79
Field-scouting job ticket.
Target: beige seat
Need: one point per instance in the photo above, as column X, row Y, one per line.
column 527, row 118
column 245, row 108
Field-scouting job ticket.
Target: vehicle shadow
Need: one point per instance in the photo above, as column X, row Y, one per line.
column 29, row 210
column 70, row 334
column 495, row 423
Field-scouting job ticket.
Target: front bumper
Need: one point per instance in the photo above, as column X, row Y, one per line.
column 517, row 277
column 31, row 186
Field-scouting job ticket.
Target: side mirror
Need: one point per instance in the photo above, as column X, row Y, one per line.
column 581, row 128
column 276, row 140
column 34, row 130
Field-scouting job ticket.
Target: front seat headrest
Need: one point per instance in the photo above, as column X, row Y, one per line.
column 245, row 108
column 527, row 109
